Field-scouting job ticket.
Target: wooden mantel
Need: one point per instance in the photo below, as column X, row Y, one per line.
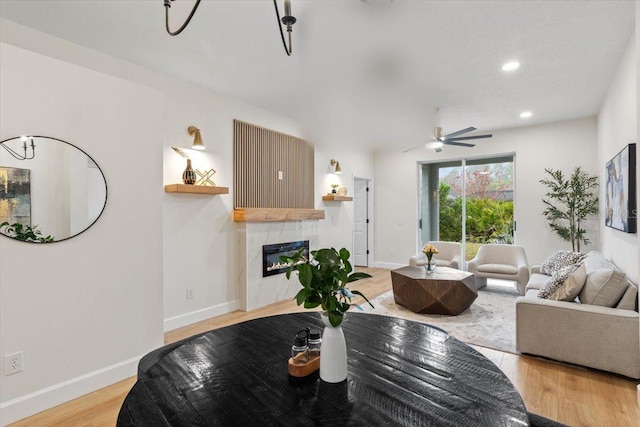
column 275, row 214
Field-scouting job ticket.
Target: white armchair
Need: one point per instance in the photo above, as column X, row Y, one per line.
column 450, row 255
column 505, row 262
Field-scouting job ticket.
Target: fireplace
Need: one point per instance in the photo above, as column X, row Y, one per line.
column 271, row 264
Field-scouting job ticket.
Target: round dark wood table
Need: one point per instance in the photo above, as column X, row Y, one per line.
column 401, row 373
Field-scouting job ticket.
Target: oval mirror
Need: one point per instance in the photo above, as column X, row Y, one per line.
column 50, row 190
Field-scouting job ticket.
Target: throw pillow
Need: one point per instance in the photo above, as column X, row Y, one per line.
column 629, row 300
column 565, row 284
column 604, row 286
column 595, row 260
column 559, row 260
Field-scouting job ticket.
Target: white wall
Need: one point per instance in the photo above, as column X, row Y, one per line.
column 396, row 192
column 200, row 237
column 337, row 228
column 560, row 145
column 93, row 304
column 199, row 233
column 617, row 127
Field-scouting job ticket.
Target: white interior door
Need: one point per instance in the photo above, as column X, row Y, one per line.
column 360, row 223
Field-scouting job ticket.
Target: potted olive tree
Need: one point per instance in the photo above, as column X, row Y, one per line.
column 568, row 203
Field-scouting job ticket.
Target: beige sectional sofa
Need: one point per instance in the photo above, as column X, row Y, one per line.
column 600, row 329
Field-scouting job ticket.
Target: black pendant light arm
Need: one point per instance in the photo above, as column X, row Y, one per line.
column 288, row 21
column 15, row 154
column 167, row 5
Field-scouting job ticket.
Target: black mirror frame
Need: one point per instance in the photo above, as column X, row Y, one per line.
column 106, row 187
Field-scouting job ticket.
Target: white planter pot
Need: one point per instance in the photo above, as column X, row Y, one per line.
column 333, row 353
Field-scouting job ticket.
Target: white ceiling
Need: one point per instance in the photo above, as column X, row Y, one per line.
column 379, row 68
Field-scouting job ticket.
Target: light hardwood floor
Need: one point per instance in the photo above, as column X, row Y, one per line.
column 572, row 395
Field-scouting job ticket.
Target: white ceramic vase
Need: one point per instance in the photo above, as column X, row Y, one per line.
column 333, row 353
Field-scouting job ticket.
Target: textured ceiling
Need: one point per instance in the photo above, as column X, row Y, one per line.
column 376, row 70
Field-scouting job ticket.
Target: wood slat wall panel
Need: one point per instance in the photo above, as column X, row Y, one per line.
column 258, row 155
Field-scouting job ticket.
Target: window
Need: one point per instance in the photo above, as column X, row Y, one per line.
column 468, row 200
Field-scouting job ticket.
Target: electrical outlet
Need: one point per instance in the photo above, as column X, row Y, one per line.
column 13, row 363
column 280, row 175
column 189, row 293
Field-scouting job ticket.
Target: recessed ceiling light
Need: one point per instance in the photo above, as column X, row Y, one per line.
column 511, row 66
column 526, row 114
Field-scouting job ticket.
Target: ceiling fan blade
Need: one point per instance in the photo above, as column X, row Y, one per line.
column 460, row 132
column 465, row 138
column 460, row 144
column 411, row 149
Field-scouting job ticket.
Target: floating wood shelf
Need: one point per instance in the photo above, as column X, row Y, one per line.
column 195, row 189
column 275, row 214
column 336, row 198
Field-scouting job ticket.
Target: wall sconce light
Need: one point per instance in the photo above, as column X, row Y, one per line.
column 336, row 166
column 25, row 144
column 197, row 138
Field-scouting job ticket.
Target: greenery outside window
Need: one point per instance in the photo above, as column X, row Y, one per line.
column 468, row 200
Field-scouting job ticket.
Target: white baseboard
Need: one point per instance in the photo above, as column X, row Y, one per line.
column 389, row 265
column 46, row 398
column 196, row 316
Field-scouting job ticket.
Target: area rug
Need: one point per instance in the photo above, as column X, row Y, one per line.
column 489, row 322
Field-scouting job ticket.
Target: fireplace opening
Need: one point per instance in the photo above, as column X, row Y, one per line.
column 271, row 264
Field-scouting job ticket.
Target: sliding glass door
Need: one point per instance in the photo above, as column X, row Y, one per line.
column 469, row 200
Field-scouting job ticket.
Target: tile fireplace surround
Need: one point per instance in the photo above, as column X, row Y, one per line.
column 257, row 291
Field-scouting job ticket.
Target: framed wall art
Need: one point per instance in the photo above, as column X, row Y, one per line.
column 620, row 194
column 15, row 195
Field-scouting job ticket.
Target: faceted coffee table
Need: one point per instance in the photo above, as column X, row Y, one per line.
column 445, row 291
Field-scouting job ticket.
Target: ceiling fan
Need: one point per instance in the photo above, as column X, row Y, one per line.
column 454, row 138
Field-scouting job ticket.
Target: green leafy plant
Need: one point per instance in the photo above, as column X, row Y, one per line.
column 569, row 202
column 487, row 220
column 324, row 281
column 25, row 233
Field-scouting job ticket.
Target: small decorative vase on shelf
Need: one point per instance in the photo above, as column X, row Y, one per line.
column 333, row 350
column 189, row 175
